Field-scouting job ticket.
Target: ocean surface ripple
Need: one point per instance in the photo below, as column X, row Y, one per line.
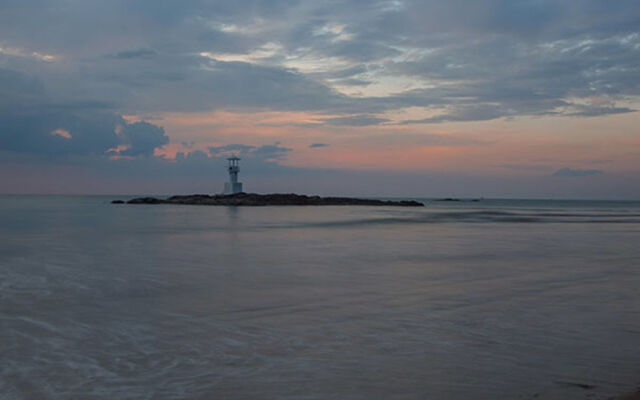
column 496, row 299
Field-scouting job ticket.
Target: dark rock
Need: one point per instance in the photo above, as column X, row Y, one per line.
column 117, row 202
column 277, row 199
column 145, row 200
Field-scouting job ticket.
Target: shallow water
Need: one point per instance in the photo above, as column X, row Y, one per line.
column 459, row 300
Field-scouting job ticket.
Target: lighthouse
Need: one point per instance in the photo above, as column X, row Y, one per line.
column 233, row 186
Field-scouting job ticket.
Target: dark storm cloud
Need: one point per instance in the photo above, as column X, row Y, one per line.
column 32, row 122
column 142, row 137
column 28, row 120
column 33, row 131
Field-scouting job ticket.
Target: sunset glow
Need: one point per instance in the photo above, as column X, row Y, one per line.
column 396, row 86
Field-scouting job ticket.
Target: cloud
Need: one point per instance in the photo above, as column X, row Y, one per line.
column 342, row 73
column 130, row 54
column 523, row 167
column 271, row 152
column 345, row 63
column 62, row 133
column 19, row 88
column 530, row 73
column 266, row 153
column 318, row 145
column 231, row 149
column 142, row 138
column 33, row 122
column 466, row 113
column 354, row 82
column 596, row 111
column 480, row 61
column 355, row 120
column 29, row 131
column 575, row 172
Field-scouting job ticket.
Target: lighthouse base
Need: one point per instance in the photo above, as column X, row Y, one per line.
column 231, row 188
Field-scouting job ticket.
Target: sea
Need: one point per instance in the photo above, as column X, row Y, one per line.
column 488, row 299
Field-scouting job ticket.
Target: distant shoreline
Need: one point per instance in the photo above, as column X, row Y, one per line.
column 276, row 199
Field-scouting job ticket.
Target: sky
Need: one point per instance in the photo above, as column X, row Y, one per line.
column 482, row 98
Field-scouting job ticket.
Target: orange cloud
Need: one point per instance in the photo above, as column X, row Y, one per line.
column 114, row 152
column 473, row 147
column 63, row 133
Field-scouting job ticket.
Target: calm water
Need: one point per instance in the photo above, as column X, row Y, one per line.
column 487, row 300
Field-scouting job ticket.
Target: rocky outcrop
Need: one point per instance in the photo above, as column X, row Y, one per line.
column 146, row 200
column 253, row 199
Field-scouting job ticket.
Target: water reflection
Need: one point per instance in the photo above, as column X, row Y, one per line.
column 100, row 301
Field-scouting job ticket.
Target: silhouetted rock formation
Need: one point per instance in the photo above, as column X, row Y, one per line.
column 253, row 199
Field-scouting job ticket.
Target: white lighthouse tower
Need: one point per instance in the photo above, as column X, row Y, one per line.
column 233, row 186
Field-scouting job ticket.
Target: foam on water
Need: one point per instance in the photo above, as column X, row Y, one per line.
column 495, row 299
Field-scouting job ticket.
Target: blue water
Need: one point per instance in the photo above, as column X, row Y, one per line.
column 497, row 299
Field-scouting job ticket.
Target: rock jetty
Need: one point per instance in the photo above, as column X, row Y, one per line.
column 253, row 199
